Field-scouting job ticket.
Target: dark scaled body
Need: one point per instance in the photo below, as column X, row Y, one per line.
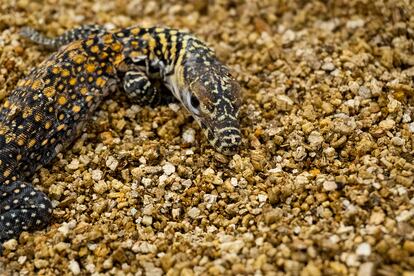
column 49, row 108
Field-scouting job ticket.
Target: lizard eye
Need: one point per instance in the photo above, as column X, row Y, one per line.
column 194, row 101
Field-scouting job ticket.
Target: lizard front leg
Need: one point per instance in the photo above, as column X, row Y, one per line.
column 140, row 90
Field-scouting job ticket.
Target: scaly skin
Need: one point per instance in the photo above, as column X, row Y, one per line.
column 49, row 108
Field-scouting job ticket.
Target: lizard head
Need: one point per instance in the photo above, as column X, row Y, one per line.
column 212, row 96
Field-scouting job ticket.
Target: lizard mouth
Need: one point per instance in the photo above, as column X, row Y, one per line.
column 225, row 140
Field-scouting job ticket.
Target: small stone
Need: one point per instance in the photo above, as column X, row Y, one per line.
column 301, row 180
column 61, row 246
column 366, row 269
column 397, row 141
column 189, row 136
column 284, row 103
column 288, row 37
column 194, row 213
column 186, row 272
column 352, row 260
column 329, row 66
column 234, row 182
column 74, row 164
column 364, row 249
column 262, row 198
column 108, row 263
column 273, row 216
column 330, row 186
column 175, row 213
column 144, row 247
column 311, row 270
column 22, row 259
column 111, row 163
column 74, row 267
column 150, row 269
column 411, row 127
column 364, row 92
column 387, row 124
column 405, row 215
column 147, row 220
column 409, row 246
column 97, row 175
column 174, row 107
column 64, row 229
column 232, row 246
column 356, row 23
column 315, row 139
column 377, row 217
column 40, row 263
column 168, row 168
column 10, row 244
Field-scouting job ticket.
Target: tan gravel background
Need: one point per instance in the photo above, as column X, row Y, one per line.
column 321, row 186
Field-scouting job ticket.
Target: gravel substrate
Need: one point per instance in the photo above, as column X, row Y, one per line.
column 321, row 186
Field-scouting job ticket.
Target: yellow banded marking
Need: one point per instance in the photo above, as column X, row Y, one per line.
column 163, row 41
column 79, row 59
column 117, row 47
column 100, row 81
column 94, row 49
column 62, row 100
column 31, row 143
column 90, row 68
column 65, row 73
column 56, row 70
column 76, row 108
column 135, row 31
column 48, row 124
column 107, row 38
column 84, row 90
column 27, row 112
column 36, row 84
column 49, row 91
column 72, row 81
column 60, row 127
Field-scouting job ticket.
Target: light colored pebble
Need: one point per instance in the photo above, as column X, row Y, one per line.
column 10, row 244
column 74, row 164
column 411, row 127
column 364, row 92
column 168, row 168
column 288, row 37
column 194, row 213
column 405, row 215
column 366, row 269
column 363, row 249
column 397, row 141
column 189, row 136
column 329, row 66
column 147, row 220
column 315, row 139
column 97, row 175
column 330, row 186
column 100, row 187
column 262, row 198
column 355, row 23
column 41, row 263
column 111, row 163
column 144, row 247
column 174, row 107
column 74, row 267
column 22, row 259
column 387, row 124
column 232, row 246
